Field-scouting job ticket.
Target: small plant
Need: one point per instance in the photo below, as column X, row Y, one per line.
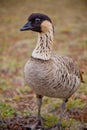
column 75, row 103
column 50, row 120
column 6, row 110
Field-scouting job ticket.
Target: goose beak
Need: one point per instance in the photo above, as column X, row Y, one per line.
column 27, row 26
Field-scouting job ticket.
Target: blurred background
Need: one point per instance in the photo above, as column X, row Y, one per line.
column 70, row 22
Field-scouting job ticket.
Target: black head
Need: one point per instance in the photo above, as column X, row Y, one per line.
column 35, row 22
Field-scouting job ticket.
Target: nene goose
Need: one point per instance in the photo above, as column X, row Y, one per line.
column 46, row 73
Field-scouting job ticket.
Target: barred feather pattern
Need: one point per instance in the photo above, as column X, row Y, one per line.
column 57, row 77
column 51, row 75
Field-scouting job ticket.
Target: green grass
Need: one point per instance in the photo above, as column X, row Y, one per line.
column 6, row 110
column 75, row 103
column 50, row 120
column 3, row 84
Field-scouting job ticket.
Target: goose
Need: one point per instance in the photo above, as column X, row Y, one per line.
column 45, row 72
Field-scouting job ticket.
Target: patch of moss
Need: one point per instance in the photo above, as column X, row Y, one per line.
column 6, row 110
column 75, row 103
column 50, row 120
column 25, row 89
column 3, row 84
column 3, row 126
column 57, row 104
column 25, row 113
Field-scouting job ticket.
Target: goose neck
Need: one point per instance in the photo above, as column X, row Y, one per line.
column 43, row 47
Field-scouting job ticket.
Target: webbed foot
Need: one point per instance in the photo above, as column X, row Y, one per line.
column 36, row 124
column 58, row 126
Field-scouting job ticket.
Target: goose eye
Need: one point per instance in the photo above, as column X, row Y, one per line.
column 37, row 20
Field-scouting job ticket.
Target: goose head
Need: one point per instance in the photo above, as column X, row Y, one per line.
column 39, row 23
column 42, row 24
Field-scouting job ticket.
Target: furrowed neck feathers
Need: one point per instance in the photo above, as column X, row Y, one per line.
column 43, row 47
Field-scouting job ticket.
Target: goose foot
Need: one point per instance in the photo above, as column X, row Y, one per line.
column 37, row 124
column 58, row 126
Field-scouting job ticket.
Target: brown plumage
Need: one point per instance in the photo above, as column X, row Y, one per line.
column 46, row 73
column 57, row 77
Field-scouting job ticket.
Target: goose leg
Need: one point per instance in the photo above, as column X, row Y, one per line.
column 39, row 103
column 63, row 109
column 38, row 122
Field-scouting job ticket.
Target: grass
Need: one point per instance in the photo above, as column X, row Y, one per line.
column 16, row 47
column 6, row 110
column 50, row 120
column 75, row 103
